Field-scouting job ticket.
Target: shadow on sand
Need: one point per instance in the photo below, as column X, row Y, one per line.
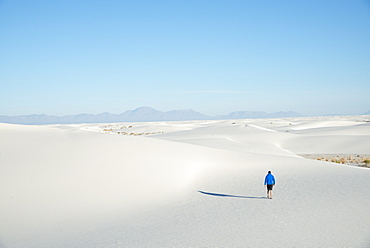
column 235, row 196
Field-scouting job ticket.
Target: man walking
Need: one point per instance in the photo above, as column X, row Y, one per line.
column 269, row 183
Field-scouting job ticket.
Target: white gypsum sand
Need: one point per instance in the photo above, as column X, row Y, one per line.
column 184, row 184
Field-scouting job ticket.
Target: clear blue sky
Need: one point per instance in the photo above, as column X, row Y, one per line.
column 214, row 56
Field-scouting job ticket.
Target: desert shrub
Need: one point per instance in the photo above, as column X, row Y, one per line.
column 367, row 161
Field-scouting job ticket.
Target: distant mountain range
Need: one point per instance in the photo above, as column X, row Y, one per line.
column 139, row 114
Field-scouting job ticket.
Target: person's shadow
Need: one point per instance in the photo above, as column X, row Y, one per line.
column 235, row 196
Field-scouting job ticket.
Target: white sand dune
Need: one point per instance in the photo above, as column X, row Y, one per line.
column 192, row 184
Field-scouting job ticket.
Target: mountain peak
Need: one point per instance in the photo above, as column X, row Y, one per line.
column 140, row 114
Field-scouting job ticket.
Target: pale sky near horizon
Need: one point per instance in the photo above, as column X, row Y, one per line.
column 213, row 56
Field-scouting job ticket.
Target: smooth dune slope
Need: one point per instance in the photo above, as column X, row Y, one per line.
column 193, row 184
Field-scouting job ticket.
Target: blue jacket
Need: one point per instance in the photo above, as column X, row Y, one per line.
column 269, row 179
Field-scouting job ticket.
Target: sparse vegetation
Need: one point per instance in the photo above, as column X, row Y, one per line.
column 362, row 160
column 138, row 134
column 112, row 129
